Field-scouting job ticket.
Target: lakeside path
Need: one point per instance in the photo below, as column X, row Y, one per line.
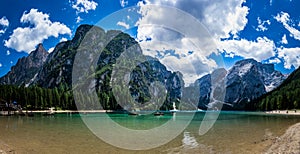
column 289, row 143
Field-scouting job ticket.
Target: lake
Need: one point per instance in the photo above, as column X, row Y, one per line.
column 233, row 132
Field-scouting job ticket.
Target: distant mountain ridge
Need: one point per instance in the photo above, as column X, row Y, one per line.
column 245, row 81
column 285, row 96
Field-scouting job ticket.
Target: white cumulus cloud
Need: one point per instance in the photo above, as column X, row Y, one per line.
column 225, row 17
column 262, row 25
column 291, row 56
column 4, row 24
column 170, row 30
column 4, row 21
column 123, row 3
column 284, row 18
column 123, row 24
column 219, row 16
column 260, row 49
column 274, row 61
column 229, row 55
column 63, row 39
column 84, row 5
column 7, row 52
column 40, row 29
column 284, row 40
column 78, row 19
column 51, row 49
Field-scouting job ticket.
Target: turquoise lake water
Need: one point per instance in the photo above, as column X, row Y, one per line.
column 233, row 132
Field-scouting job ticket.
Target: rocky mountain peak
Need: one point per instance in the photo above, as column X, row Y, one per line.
column 242, row 67
column 40, row 53
column 26, row 68
column 40, row 47
column 80, row 33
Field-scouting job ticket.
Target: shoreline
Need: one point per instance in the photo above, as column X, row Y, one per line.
column 276, row 112
column 289, row 142
column 71, row 111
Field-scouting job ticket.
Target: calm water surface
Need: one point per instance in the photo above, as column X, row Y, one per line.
column 233, row 132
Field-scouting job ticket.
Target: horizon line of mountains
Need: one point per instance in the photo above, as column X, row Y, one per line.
column 247, row 85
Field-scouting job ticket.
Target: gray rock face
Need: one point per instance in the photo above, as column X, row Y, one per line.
column 142, row 84
column 26, row 69
column 246, row 80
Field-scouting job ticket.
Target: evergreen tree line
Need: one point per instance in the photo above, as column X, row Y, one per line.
column 36, row 98
column 288, row 97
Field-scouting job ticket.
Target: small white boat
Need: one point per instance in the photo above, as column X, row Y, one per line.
column 174, row 108
column 50, row 112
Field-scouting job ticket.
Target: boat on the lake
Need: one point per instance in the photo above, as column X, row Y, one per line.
column 6, row 109
column 49, row 112
column 29, row 114
column 20, row 113
column 133, row 113
column 158, row 113
column 174, row 108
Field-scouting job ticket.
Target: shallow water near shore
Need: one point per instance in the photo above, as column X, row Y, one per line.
column 233, row 132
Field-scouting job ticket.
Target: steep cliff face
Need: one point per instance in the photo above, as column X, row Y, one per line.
column 207, row 84
column 245, row 81
column 26, row 69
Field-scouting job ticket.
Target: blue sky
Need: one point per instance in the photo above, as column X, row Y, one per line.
column 266, row 30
